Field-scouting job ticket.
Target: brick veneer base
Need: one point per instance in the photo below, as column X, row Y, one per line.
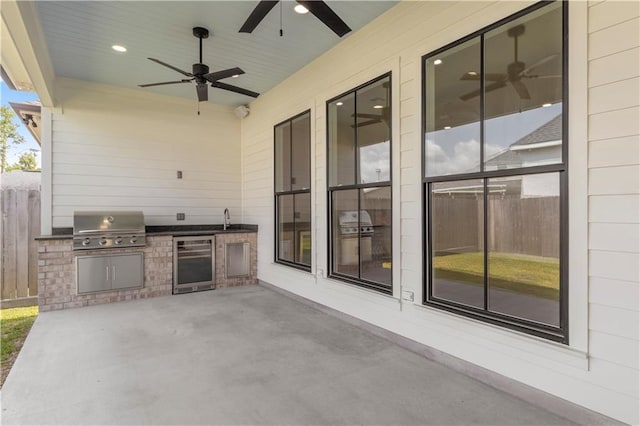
column 221, row 240
column 57, row 287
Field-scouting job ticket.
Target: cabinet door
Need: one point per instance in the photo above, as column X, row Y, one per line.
column 237, row 260
column 94, row 274
column 126, row 271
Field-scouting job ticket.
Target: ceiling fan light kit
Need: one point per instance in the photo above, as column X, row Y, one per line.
column 201, row 76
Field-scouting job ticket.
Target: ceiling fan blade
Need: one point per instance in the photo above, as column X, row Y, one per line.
column 489, row 88
column 540, row 62
column 188, row 74
column 371, row 116
column 219, row 75
column 543, row 76
column 521, row 89
column 367, row 123
column 235, row 89
column 488, row 76
column 163, row 83
column 257, row 15
column 324, row 13
column 203, row 92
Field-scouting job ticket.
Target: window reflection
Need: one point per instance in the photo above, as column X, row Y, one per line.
column 342, row 141
column 524, row 247
column 286, row 229
column 452, row 140
column 373, row 123
column 346, row 244
column 457, row 229
column 301, row 152
column 283, row 157
column 375, row 234
column 523, row 91
column 302, row 218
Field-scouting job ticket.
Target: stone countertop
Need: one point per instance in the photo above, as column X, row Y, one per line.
column 159, row 230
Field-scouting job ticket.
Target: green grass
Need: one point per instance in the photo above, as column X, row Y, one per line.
column 534, row 275
column 15, row 324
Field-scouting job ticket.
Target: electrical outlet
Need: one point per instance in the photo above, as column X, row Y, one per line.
column 180, row 216
column 407, row 295
column 179, row 174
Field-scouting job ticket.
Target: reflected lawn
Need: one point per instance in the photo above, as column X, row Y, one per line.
column 534, row 275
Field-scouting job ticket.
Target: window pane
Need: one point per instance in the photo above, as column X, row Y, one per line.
column 283, row 157
column 301, row 145
column 286, row 245
column 524, row 246
column 452, row 139
column 375, row 234
column 373, row 120
column 342, row 141
column 523, row 86
column 345, row 232
column 457, row 229
column 303, row 228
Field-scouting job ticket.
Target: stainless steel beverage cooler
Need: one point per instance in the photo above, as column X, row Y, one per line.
column 193, row 264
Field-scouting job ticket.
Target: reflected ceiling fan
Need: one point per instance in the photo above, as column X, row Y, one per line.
column 317, row 7
column 201, row 76
column 516, row 71
column 385, row 111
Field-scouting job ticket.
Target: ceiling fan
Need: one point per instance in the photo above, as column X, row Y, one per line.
column 317, row 7
column 516, row 71
column 385, row 111
column 201, row 76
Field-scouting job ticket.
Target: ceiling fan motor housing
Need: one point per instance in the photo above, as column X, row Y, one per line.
column 200, row 69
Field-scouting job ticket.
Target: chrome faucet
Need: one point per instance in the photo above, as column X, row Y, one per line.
column 227, row 219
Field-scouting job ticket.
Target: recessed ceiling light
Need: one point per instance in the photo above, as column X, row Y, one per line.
column 235, row 76
column 546, row 105
column 119, row 48
column 472, row 73
column 437, row 62
column 301, row 9
column 378, row 106
column 339, row 103
column 447, row 127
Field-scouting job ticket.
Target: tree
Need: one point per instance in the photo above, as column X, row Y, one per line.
column 8, row 132
column 26, row 163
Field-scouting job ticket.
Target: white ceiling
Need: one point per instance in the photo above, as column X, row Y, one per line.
column 80, row 34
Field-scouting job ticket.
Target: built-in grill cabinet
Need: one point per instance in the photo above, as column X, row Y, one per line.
column 193, row 264
column 109, row 272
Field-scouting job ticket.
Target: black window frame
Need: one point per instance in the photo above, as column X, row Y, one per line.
column 371, row 285
column 557, row 334
column 278, row 194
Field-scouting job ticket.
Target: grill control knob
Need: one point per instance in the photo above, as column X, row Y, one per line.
column 103, row 241
column 86, row 242
column 118, row 240
column 133, row 240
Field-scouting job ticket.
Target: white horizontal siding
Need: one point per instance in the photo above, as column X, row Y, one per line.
column 614, row 203
column 115, row 148
column 396, row 41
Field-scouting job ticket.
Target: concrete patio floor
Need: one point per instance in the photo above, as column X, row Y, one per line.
column 245, row 355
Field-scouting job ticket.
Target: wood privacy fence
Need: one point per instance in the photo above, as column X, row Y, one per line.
column 20, row 224
column 527, row 226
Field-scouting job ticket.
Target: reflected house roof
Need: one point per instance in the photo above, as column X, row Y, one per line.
column 551, row 131
column 547, row 135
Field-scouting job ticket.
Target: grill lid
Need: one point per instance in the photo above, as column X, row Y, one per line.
column 106, row 223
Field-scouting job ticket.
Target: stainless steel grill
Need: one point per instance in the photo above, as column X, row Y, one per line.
column 102, row 230
column 348, row 221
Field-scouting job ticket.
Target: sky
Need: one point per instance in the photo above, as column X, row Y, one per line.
column 14, row 151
